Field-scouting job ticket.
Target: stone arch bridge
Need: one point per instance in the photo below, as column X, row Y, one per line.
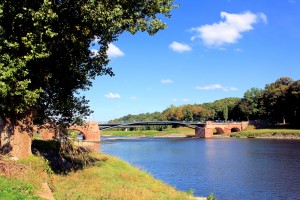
column 91, row 130
column 202, row 130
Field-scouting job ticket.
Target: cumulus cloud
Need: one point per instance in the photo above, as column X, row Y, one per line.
column 112, row 96
column 166, row 81
column 216, row 86
column 229, row 30
column 180, row 47
column 113, row 51
column 185, row 100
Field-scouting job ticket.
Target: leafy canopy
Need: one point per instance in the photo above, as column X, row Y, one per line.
column 44, row 50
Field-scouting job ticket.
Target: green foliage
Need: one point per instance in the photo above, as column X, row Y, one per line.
column 190, row 192
column 211, row 197
column 140, row 117
column 13, row 189
column 277, row 102
column 151, row 133
column 62, row 157
column 275, row 132
column 219, row 106
column 73, row 133
column 225, row 113
column 44, row 51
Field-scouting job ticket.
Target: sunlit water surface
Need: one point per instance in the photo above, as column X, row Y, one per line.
column 228, row 168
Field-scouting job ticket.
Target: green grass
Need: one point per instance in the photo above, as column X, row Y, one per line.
column 108, row 178
column 14, row 189
column 151, row 133
column 113, row 179
column 271, row 132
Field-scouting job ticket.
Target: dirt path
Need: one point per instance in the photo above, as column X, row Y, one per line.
column 45, row 192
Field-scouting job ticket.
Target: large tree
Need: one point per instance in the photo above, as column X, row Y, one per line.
column 293, row 102
column 45, row 58
column 274, row 103
column 249, row 104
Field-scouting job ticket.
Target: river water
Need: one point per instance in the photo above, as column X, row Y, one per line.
column 228, row 168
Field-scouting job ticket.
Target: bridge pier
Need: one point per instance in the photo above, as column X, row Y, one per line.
column 203, row 132
column 222, row 128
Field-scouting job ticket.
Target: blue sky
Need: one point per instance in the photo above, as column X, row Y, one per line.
column 212, row 49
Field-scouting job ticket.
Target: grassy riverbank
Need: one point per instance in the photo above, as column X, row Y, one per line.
column 250, row 132
column 276, row 132
column 180, row 131
column 108, row 178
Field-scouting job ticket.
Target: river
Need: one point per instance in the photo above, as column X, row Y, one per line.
column 228, row 168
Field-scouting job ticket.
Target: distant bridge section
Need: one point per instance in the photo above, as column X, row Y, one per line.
column 202, row 130
column 107, row 126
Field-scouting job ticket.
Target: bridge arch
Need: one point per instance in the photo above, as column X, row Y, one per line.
column 78, row 128
column 90, row 131
column 235, row 129
column 218, row 131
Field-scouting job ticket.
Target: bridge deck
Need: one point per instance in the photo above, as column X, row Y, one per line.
column 150, row 123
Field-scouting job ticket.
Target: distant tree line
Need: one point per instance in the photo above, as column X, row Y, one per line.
column 278, row 102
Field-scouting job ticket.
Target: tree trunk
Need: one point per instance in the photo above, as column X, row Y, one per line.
column 15, row 137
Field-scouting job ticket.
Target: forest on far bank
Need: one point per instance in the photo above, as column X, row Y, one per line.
column 278, row 102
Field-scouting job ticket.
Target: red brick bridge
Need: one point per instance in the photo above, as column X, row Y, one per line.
column 210, row 128
column 202, row 130
column 90, row 131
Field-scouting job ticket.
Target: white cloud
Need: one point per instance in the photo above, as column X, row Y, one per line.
column 216, row 86
column 229, row 30
column 166, row 81
column 185, row 100
column 113, row 51
column 180, row 47
column 174, row 99
column 112, row 96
